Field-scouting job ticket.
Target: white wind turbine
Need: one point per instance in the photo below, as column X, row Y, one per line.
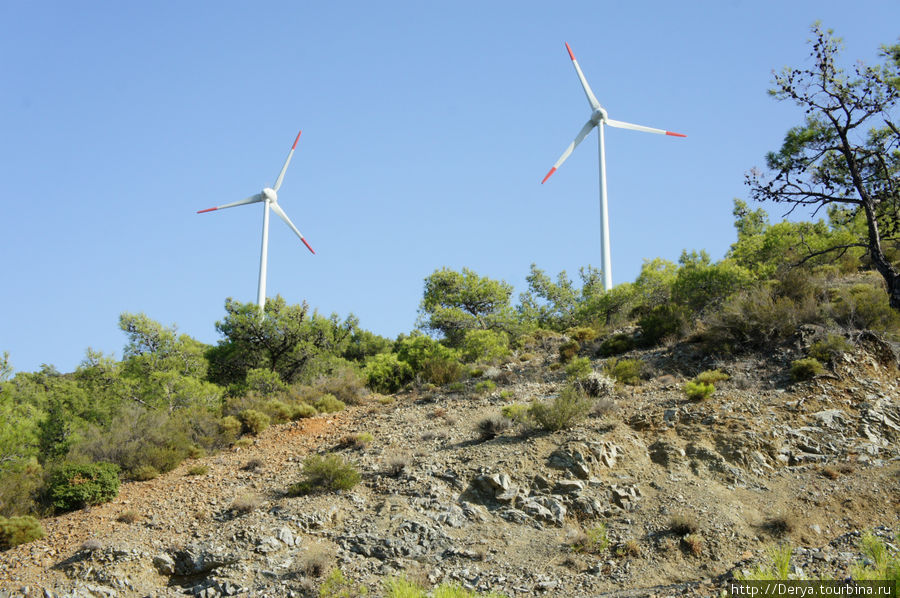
column 598, row 119
column 269, row 196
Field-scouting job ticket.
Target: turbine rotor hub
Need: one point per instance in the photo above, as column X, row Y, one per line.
column 270, row 194
column 599, row 116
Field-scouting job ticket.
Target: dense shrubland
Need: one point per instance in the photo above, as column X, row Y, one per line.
column 171, row 397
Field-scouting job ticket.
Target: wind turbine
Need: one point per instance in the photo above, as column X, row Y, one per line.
column 598, row 119
column 269, row 196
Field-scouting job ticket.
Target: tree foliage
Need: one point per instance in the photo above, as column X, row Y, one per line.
column 456, row 302
column 846, row 154
column 287, row 339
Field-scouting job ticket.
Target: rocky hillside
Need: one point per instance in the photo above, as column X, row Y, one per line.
column 687, row 493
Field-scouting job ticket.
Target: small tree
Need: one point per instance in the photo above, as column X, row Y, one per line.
column 846, row 156
column 456, row 302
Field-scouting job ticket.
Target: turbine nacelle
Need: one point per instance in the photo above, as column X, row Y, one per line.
column 599, row 115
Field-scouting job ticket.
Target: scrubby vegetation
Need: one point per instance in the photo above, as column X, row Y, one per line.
column 326, row 473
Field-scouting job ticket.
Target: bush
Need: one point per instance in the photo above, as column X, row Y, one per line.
column 265, row 382
column 806, row 369
column 564, row 411
column 230, row 428
column 579, row 368
column 303, row 410
column 244, row 503
column 662, row 321
column 345, row 383
column 491, row 427
column 20, row 488
column 326, row 474
column 592, row 541
column 626, row 371
column 441, row 370
column 329, row 404
column 698, row 391
column 516, row 413
column 254, row 421
column 881, row 562
column 582, row 334
column 484, row 346
column 829, row 348
column 568, row 350
column 278, row 411
column 485, row 386
column 386, row 373
column 73, row 487
column 711, row 377
column 682, row 525
column 143, row 473
column 19, row 530
column 865, row 306
column 198, row 470
column 616, row 345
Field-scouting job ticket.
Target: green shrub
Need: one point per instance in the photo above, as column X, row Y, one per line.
column 616, row 345
column 582, row 334
column 484, row 346
column 345, row 383
column 278, row 411
column 230, row 428
column 485, row 386
column 338, row 586
column 578, row 368
column 779, row 567
column 198, row 470
column 865, row 306
column 882, row 563
column 254, row 421
column 591, row 541
column 806, row 369
column 457, row 387
column 19, row 530
column 829, row 348
column 400, row 587
column 326, row 474
column 143, row 473
column 564, row 411
column 626, row 371
column 329, row 404
column 568, row 350
column 698, row 391
column 441, row 370
column 265, row 382
column 303, row 410
column 517, row 413
column 20, row 488
column 711, row 377
column 386, row 373
column 73, row 487
column 662, row 321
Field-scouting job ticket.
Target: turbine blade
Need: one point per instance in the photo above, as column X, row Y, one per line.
column 624, row 125
column 581, row 135
column 277, row 209
column 252, row 199
column 280, row 178
column 592, row 100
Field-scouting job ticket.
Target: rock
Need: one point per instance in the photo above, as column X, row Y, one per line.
column 665, row 453
column 164, row 563
column 285, row 535
column 568, row 487
column 197, row 559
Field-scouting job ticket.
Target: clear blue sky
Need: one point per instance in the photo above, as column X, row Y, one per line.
column 427, row 128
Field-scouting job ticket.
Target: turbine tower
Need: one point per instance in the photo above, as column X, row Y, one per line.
column 269, row 196
column 598, row 119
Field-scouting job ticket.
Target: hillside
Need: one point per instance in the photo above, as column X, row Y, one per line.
column 762, row 461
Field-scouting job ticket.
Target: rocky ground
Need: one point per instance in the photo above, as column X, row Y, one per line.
column 763, row 461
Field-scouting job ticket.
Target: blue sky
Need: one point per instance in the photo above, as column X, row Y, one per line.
column 427, row 128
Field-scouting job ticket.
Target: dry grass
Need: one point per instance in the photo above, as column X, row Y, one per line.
column 780, row 525
column 693, row 543
column 128, row 516
column 315, row 563
column 253, row 465
column 244, row 503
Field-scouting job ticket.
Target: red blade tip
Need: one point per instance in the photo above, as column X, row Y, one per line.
column 572, row 56
column 307, row 245
column 293, row 147
column 552, row 170
column 207, row 210
column 675, row 134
